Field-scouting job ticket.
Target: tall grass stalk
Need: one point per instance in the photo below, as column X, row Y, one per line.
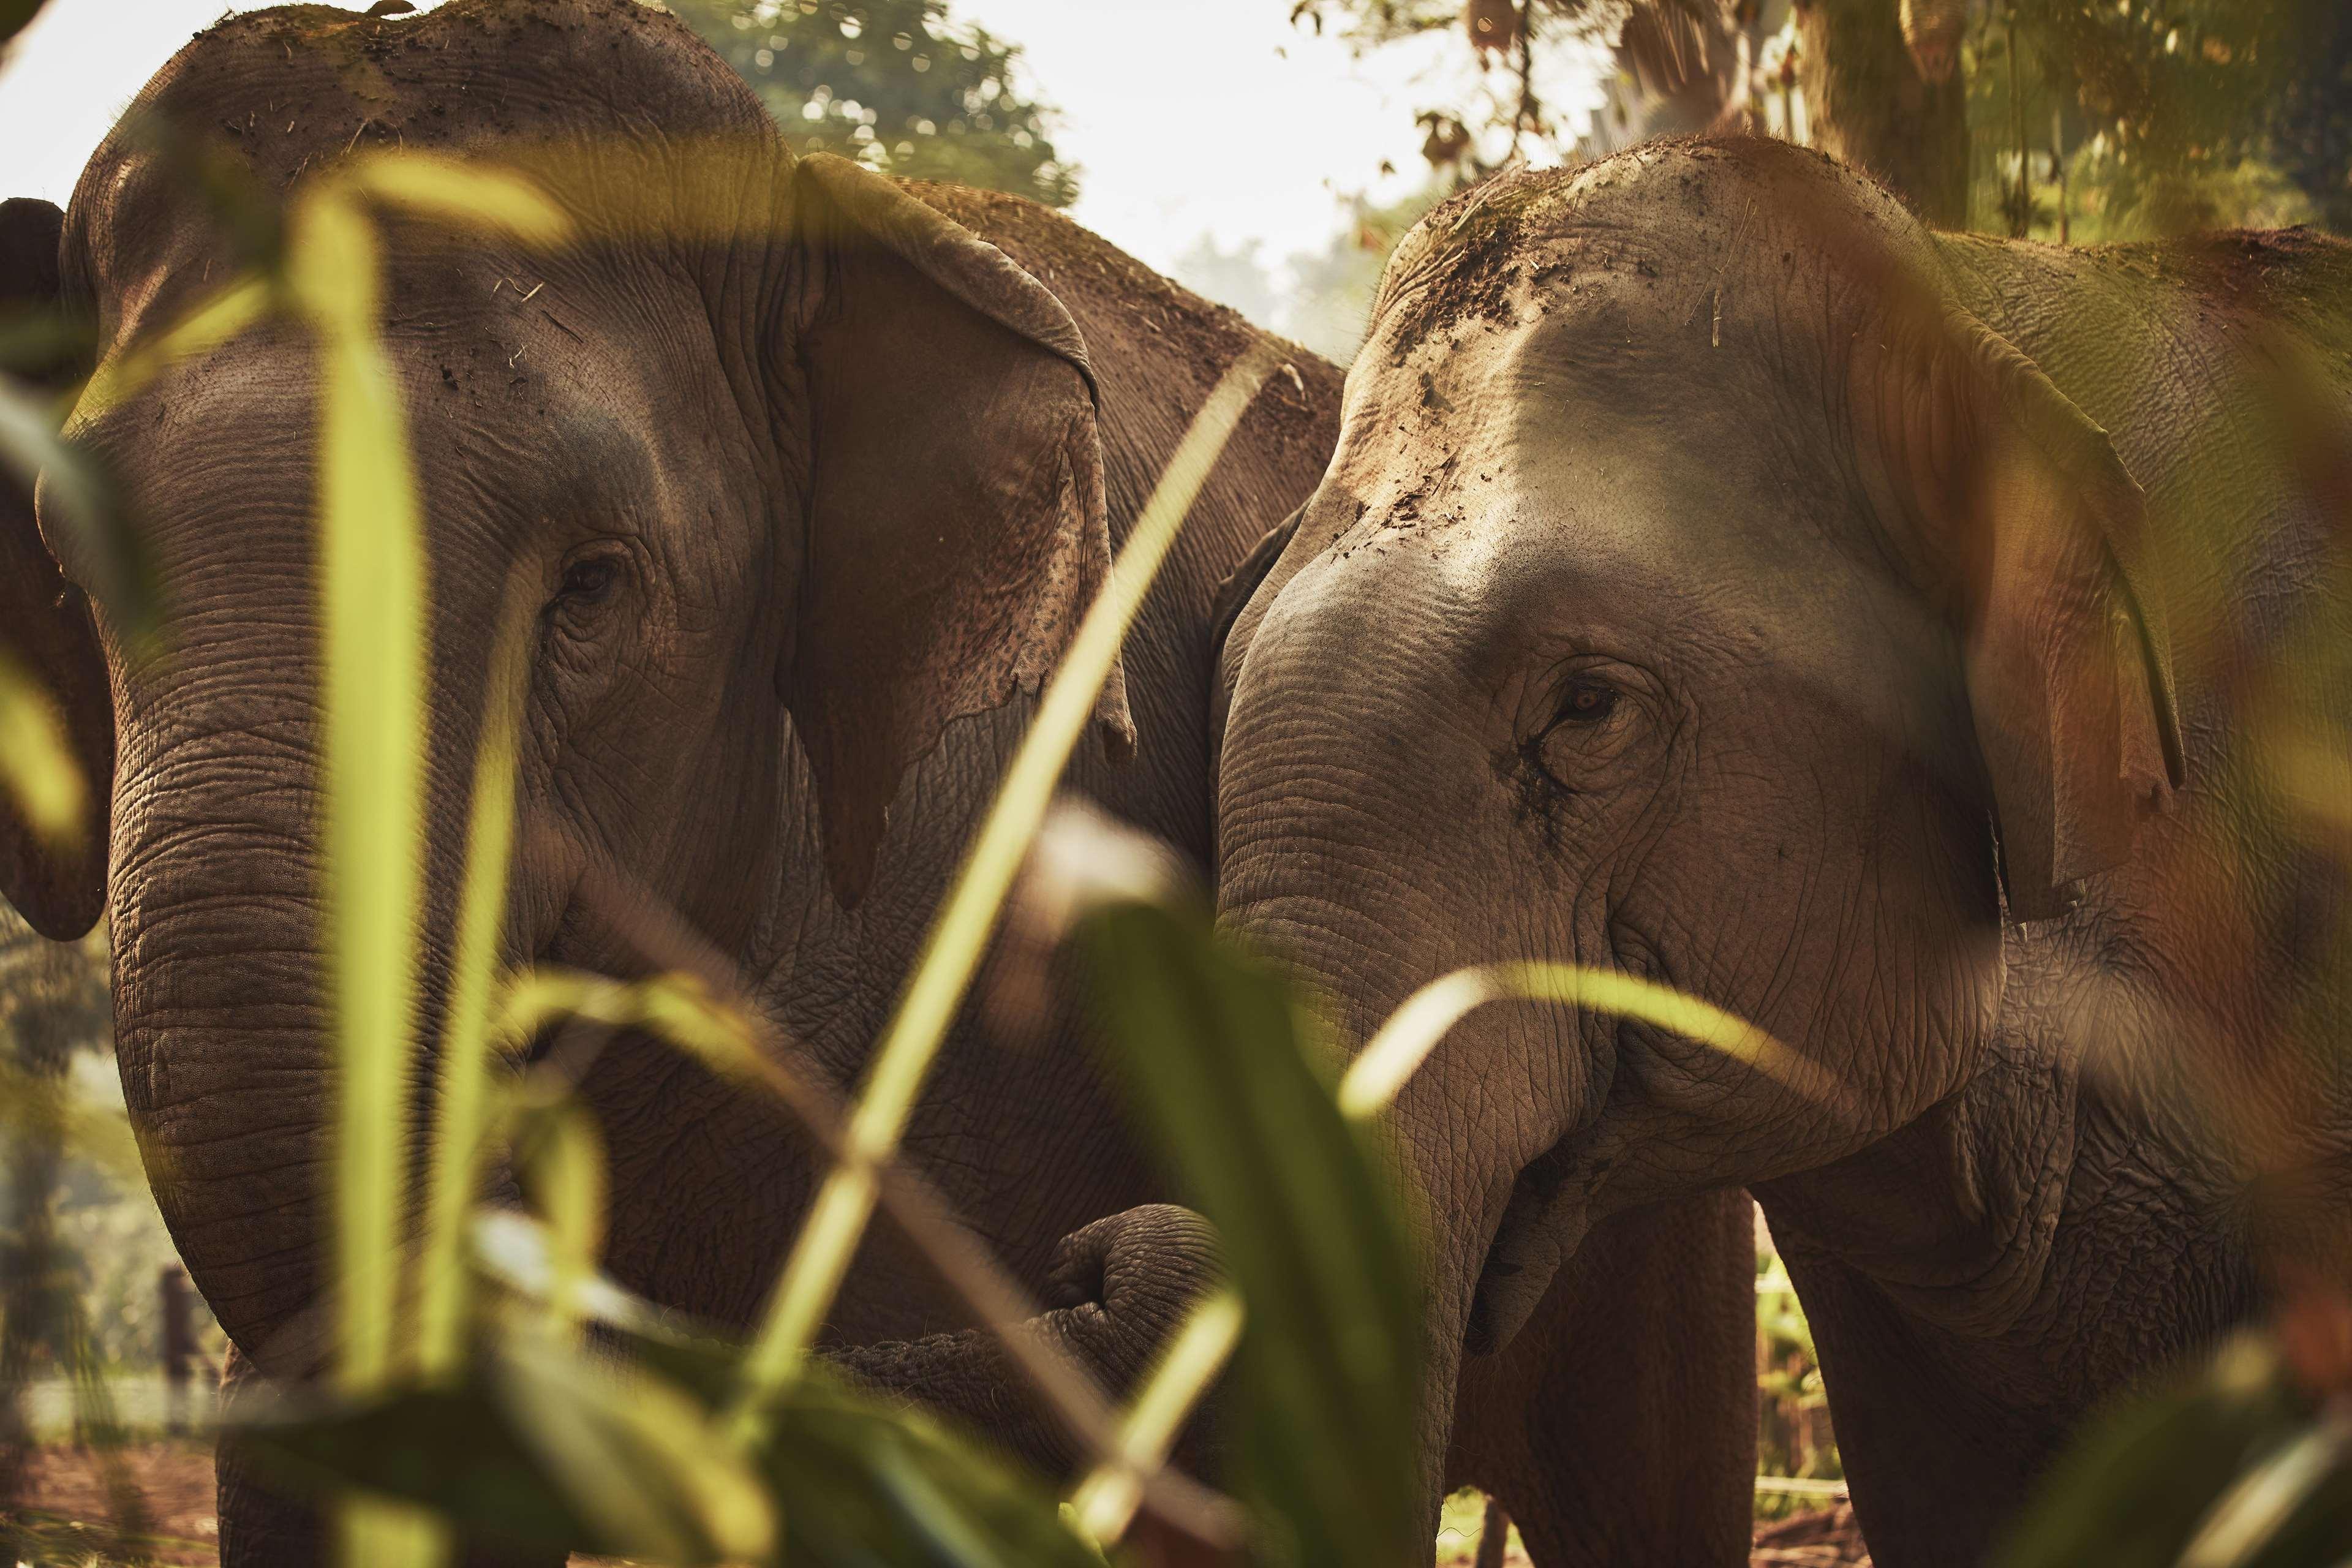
column 371, row 592
column 1396, row 1051
column 820, row 1254
column 458, row 1124
column 1106, row 1500
column 371, row 600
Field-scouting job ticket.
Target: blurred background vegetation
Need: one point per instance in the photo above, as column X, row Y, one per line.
column 82, row 1250
column 2084, row 120
column 895, row 84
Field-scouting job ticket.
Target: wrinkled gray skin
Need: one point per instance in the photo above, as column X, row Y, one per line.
column 1712, row 564
column 808, row 487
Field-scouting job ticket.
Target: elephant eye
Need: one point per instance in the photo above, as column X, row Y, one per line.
column 1588, row 701
column 590, row 581
column 1588, row 733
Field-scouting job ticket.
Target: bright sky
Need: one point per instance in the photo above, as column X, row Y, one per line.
column 1192, row 116
column 1189, row 116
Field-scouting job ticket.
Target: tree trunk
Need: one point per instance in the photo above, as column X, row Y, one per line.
column 1867, row 104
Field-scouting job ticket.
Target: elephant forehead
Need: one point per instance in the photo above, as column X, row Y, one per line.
column 220, row 455
column 1497, row 439
column 561, row 90
column 278, row 84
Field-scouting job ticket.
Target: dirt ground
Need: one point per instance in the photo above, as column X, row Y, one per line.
column 67, row 1514
column 1825, row 1538
column 66, row 1509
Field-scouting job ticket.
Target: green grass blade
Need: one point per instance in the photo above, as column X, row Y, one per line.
column 2258, row 1505
column 372, row 593
column 560, row 1152
column 1226, row 1069
column 1106, row 1498
column 1396, row 1051
column 541, row 1447
column 838, row 1219
column 466, row 1032
column 2232, row 1464
column 238, row 304
column 447, row 190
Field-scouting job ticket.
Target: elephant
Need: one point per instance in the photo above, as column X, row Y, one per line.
column 810, row 473
column 1724, row 580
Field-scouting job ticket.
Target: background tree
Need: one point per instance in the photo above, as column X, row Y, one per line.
column 2075, row 119
column 2312, row 115
column 1886, row 91
column 2094, row 123
column 894, row 84
column 1884, row 80
column 1682, row 66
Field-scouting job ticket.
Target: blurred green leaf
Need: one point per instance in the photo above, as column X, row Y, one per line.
column 2262, row 1506
column 560, row 1154
column 36, row 762
column 218, row 180
column 855, row 1480
column 235, row 308
column 118, row 569
column 2216, row 1462
column 372, row 571
column 859, row 1483
column 1103, row 1503
column 542, row 1447
column 446, row 190
column 1227, row 1068
column 37, row 339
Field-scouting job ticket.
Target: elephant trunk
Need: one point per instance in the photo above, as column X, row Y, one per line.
column 1346, row 843
column 224, row 1008
column 224, row 1023
column 1458, row 1174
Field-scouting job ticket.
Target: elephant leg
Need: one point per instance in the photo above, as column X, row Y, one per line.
column 263, row 1527
column 1620, row 1426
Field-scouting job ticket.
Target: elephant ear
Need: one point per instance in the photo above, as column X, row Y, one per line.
column 1228, row 636
column 955, row 526
column 59, row 886
column 2040, row 535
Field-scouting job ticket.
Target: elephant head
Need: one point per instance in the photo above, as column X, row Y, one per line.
column 795, row 471
column 1697, row 592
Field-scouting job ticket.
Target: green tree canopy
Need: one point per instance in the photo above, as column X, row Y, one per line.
column 894, row 84
column 2094, row 119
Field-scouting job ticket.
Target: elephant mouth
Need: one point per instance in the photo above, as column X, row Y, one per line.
column 1540, row 1227
column 1548, row 1211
